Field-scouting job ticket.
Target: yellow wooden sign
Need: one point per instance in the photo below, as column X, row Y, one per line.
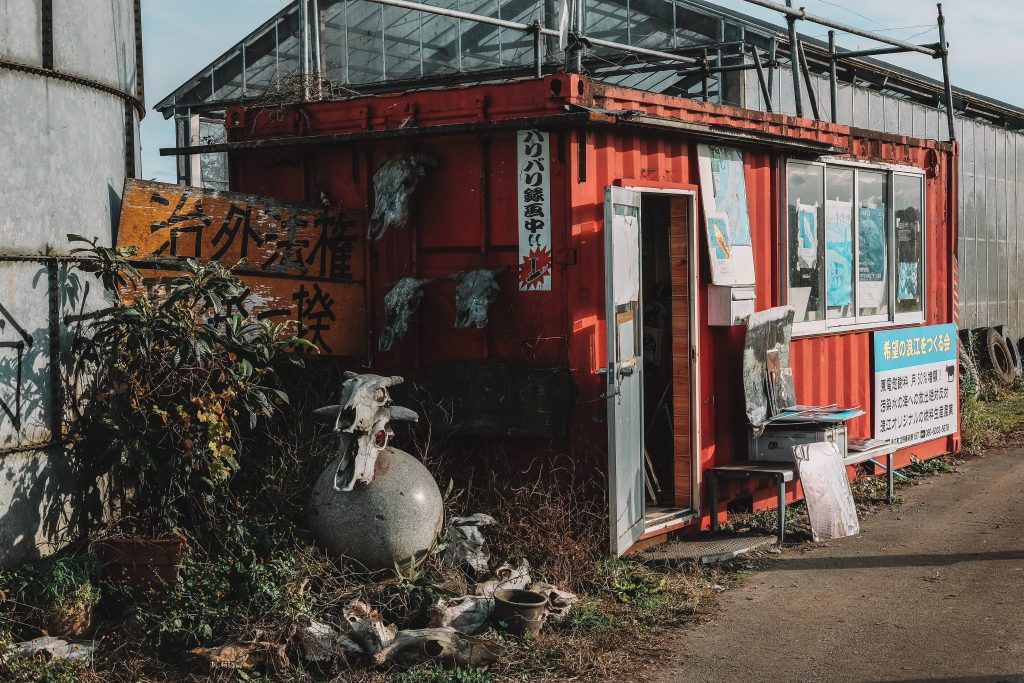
column 300, row 263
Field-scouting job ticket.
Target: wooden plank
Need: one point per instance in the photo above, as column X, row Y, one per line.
column 300, row 263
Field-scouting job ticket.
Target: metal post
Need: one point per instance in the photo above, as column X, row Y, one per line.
column 772, row 52
column 811, row 97
column 538, row 60
column 713, row 494
column 304, row 34
column 704, row 78
column 578, row 56
column 765, row 93
column 832, row 75
column 794, row 61
column 944, row 55
column 782, row 508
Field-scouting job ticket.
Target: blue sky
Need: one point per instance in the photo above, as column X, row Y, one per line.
column 180, row 37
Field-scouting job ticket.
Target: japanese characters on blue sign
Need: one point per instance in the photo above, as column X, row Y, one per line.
column 916, row 393
column 534, row 208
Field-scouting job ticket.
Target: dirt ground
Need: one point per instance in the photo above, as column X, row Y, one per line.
column 931, row 590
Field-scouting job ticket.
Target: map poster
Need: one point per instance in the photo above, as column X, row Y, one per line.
column 838, row 253
column 727, row 218
column 916, row 395
column 871, row 239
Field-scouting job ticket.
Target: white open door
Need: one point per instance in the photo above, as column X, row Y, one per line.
column 624, row 367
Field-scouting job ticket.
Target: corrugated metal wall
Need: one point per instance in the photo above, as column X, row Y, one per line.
column 989, row 246
column 69, row 83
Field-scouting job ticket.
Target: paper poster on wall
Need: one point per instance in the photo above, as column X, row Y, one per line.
column 718, row 237
column 807, row 236
column 724, row 196
column 534, row 211
column 838, row 253
column 871, row 240
column 906, row 282
column 916, row 395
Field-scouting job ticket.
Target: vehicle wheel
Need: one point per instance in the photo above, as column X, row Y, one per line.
column 994, row 353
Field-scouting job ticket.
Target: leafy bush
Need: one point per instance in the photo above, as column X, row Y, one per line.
column 53, row 584
column 171, row 378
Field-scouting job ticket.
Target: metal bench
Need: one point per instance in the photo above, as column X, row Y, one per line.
column 783, row 472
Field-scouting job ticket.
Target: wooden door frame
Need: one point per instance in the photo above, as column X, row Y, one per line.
column 685, row 516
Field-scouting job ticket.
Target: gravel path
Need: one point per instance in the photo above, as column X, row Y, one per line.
column 932, row 590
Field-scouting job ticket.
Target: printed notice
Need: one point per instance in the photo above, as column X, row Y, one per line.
column 916, row 392
column 534, row 208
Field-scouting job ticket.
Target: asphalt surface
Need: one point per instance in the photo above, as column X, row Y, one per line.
column 931, row 590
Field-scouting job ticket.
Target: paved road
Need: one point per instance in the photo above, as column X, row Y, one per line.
column 932, row 590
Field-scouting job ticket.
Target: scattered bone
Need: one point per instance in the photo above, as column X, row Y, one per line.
column 441, row 645
column 319, row 642
column 393, row 185
column 468, row 614
column 559, row 601
column 399, row 305
column 49, row 647
column 506, row 576
column 467, row 543
column 475, row 293
column 245, row 656
column 367, row 626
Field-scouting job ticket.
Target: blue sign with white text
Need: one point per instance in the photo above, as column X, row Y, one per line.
column 909, row 346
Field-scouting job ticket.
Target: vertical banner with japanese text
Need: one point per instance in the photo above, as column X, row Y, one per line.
column 916, row 393
column 534, row 207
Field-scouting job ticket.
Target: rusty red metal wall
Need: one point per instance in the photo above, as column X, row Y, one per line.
column 464, row 216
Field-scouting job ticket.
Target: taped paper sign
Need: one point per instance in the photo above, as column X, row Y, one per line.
column 724, row 195
column 302, row 263
column 871, row 238
column 807, row 235
column 838, row 253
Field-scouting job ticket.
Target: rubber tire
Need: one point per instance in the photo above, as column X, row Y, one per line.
column 1013, row 347
column 994, row 354
column 970, row 381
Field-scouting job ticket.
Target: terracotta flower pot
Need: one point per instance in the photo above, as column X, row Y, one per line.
column 142, row 562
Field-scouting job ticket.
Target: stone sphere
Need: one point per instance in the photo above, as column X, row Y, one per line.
column 394, row 519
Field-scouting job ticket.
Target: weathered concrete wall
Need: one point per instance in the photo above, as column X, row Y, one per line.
column 66, row 150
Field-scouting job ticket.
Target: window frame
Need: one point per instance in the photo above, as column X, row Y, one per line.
column 857, row 322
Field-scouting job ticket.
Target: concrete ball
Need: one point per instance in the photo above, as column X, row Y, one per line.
column 394, row 519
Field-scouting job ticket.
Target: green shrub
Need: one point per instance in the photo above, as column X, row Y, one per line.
column 53, row 584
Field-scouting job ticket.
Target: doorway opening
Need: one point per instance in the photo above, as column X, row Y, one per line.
column 667, row 356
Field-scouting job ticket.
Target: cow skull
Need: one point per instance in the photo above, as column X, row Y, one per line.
column 362, row 420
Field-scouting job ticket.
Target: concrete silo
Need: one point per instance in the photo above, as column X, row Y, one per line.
column 70, row 103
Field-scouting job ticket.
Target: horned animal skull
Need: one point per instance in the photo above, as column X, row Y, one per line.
column 362, row 420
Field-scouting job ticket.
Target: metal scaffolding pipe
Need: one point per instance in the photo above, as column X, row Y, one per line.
column 765, row 92
column 794, row 63
column 944, row 55
column 811, row 97
column 795, row 14
column 833, row 77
